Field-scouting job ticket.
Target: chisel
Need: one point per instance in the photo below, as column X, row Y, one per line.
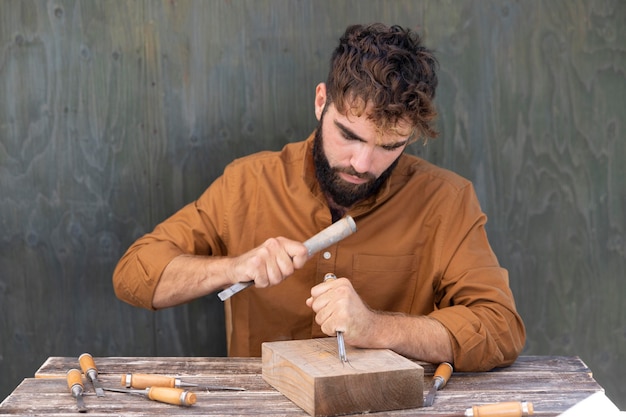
column 174, row 396
column 327, row 237
column 142, row 381
column 75, row 384
column 506, row 409
column 440, row 379
column 341, row 346
column 88, row 366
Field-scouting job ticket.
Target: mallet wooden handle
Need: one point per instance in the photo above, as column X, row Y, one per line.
column 327, row 237
column 506, row 409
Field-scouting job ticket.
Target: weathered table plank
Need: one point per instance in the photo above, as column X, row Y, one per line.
column 57, row 366
column 552, row 384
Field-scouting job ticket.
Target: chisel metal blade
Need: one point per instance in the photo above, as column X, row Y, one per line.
column 430, row 397
column 215, row 387
column 98, row 388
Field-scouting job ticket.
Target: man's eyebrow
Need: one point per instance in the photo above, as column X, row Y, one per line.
column 349, row 133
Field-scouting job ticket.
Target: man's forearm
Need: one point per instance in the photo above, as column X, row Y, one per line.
column 418, row 337
column 188, row 277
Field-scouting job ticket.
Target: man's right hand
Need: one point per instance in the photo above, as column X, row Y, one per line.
column 268, row 264
column 188, row 277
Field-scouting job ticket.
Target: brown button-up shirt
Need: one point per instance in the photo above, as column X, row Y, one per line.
column 420, row 249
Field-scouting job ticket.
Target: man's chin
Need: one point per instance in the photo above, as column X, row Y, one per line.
column 348, row 194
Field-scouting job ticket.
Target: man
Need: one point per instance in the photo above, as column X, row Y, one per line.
column 418, row 276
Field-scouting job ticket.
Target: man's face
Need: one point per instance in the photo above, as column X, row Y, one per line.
column 352, row 157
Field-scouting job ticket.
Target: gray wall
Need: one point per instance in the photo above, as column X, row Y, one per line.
column 113, row 114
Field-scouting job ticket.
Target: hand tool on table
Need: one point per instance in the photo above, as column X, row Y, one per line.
column 175, row 396
column 440, row 379
column 327, row 237
column 142, row 381
column 505, row 409
column 341, row 346
column 88, row 366
column 75, row 384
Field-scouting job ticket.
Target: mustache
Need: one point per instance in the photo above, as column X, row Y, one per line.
column 351, row 171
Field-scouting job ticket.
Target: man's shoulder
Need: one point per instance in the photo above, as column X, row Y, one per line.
column 415, row 168
column 292, row 152
column 289, row 152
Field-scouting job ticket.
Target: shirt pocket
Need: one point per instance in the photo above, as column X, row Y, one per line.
column 385, row 283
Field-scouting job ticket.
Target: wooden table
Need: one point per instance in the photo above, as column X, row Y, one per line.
column 551, row 383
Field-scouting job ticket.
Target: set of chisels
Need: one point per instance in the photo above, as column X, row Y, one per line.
column 165, row 389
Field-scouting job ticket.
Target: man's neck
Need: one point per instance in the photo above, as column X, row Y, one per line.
column 336, row 211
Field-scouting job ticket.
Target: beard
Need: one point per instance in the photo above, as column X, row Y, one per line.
column 342, row 192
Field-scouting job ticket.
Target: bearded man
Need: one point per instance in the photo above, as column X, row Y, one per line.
column 418, row 277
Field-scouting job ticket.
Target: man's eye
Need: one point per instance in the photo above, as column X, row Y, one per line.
column 393, row 147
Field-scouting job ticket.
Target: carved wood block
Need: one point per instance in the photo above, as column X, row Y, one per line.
column 310, row 374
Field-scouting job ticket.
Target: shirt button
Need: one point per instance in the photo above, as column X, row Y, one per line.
column 326, row 255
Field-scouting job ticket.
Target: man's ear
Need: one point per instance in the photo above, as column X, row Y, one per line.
column 320, row 100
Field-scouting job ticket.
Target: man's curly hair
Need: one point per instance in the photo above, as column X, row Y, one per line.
column 388, row 69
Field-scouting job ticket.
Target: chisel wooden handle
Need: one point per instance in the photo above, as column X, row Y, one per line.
column 75, row 379
column 175, row 396
column 506, row 409
column 327, row 237
column 75, row 384
column 142, row 381
column 442, row 375
column 87, row 364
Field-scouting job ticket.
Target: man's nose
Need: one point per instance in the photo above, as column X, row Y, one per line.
column 362, row 159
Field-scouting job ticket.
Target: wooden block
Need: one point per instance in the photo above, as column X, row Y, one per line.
column 310, row 374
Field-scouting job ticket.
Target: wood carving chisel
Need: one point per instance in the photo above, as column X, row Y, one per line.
column 341, row 346
column 142, row 381
column 75, row 384
column 327, row 237
column 174, row 396
column 506, row 409
column 440, row 379
column 88, row 366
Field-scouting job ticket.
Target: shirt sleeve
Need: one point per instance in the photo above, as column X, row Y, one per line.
column 195, row 229
column 473, row 298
